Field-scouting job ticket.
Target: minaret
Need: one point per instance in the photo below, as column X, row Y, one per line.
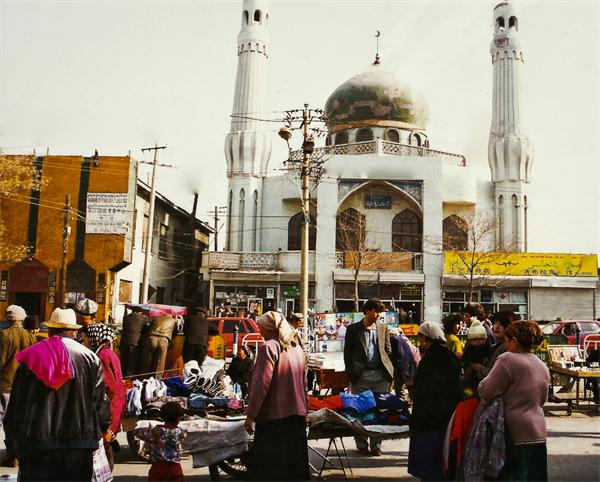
column 248, row 144
column 509, row 152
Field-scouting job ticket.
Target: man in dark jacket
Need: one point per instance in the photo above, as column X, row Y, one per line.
column 367, row 353
column 58, row 407
column 130, row 337
column 197, row 329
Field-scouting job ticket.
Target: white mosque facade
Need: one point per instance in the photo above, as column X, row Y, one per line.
column 383, row 179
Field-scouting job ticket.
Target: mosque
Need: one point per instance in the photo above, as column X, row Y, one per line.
column 387, row 190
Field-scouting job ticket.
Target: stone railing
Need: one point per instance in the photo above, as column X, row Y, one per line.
column 382, row 147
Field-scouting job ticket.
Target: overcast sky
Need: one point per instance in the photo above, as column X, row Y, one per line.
column 121, row 75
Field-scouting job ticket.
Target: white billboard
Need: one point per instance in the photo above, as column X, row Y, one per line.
column 106, row 213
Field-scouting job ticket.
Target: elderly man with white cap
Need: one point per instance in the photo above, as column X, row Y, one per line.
column 12, row 340
column 58, row 406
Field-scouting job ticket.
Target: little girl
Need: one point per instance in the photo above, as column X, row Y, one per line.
column 165, row 444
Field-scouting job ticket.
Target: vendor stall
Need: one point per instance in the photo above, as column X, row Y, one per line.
column 570, row 370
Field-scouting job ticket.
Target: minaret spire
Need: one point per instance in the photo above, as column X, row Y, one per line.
column 248, row 144
column 509, row 151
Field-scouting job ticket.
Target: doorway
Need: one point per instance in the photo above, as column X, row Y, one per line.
column 31, row 302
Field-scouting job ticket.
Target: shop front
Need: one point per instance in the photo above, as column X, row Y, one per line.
column 406, row 298
column 493, row 300
column 244, row 300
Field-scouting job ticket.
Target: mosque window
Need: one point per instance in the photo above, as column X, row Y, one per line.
column 341, row 138
column 455, row 238
column 246, row 17
column 500, row 22
column 257, row 16
column 364, row 135
column 295, row 232
column 415, row 139
column 328, row 141
column 513, row 23
column 350, row 230
column 406, row 232
column 392, row 135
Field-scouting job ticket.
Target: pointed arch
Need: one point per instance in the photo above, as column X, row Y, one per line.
column 255, row 221
column 241, row 214
column 455, row 237
column 350, row 230
column 407, row 231
column 341, row 138
column 295, row 225
column 392, row 135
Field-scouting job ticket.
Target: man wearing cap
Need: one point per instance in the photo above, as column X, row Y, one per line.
column 58, row 406
column 86, row 311
column 12, row 340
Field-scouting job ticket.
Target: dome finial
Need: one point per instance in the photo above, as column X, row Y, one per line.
column 377, row 58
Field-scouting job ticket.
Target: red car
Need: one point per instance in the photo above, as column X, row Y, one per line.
column 248, row 330
column 569, row 329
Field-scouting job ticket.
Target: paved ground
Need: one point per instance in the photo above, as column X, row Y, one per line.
column 573, row 448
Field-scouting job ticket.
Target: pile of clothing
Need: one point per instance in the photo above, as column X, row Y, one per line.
column 200, row 387
column 369, row 408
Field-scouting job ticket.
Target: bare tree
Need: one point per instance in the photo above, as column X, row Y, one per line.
column 351, row 233
column 471, row 241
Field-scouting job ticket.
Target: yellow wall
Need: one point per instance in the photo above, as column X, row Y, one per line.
column 101, row 251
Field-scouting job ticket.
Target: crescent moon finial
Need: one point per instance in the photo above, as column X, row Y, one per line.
column 377, row 35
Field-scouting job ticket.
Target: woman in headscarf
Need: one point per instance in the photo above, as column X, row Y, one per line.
column 99, row 338
column 436, row 392
column 277, row 405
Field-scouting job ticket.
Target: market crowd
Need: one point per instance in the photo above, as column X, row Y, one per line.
column 476, row 410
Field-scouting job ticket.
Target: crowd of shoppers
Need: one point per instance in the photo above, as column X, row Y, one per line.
column 75, row 371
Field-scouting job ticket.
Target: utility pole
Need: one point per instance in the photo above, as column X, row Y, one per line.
column 218, row 210
column 66, row 234
column 307, row 149
column 308, row 167
column 146, row 274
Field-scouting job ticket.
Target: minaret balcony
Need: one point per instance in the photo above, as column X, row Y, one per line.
column 381, row 147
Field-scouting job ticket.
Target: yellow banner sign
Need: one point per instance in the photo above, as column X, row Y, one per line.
column 521, row 264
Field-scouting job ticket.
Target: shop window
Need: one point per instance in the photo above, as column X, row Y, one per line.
column 295, row 232
column 351, row 228
column 455, row 236
column 406, row 232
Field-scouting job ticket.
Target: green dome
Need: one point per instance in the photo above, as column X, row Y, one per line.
column 374, row 95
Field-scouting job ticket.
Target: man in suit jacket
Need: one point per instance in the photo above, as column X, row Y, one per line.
column 367, row 353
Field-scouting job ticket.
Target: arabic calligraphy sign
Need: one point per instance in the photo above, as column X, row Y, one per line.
column 524, row 264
